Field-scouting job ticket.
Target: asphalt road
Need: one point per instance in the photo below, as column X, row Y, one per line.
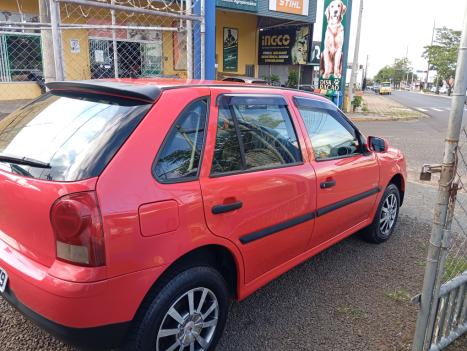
column 353, row 296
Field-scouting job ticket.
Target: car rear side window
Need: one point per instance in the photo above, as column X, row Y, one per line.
column 254, row 133
column 76, row 137
column 180, row 156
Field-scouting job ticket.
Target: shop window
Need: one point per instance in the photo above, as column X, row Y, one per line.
column 20, row 57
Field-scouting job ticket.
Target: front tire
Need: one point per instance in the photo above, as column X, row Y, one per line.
column 385, row 218
column 190, row 310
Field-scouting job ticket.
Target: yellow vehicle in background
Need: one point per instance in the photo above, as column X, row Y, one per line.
column 385, row 88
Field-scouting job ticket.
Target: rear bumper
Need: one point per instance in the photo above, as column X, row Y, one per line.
column 96, row 338
column 75, row 311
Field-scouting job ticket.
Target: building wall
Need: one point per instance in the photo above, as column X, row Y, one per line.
column 19, row 91
column 263, row 10
column 29, row 6
column 247, row 39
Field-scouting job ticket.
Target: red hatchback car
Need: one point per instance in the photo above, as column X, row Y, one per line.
column 132, row 211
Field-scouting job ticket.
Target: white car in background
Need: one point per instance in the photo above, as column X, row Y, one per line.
column 443, row 90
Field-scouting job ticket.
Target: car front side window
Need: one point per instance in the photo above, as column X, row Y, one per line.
column 330, row 134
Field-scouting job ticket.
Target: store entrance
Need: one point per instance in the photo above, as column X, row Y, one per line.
column 129, row 56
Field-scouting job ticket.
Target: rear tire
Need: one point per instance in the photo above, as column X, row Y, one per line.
column 385, row 218
column 190, row 309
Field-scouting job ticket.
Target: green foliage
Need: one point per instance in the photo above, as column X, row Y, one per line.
column 273, row 79
column 442, row 55
column 357, row 102
column 395, row 73
column 400, row 295
column 292, row 80
column 454, row 266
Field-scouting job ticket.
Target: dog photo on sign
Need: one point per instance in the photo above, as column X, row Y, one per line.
column 331, row 57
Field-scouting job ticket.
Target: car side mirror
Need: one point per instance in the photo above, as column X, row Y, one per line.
column 377, row 144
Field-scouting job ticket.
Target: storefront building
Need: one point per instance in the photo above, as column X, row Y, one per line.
column 265, row 39
column 87, row 47
column 258, row 38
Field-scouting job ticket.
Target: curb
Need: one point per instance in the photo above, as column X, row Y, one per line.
column 384, row 119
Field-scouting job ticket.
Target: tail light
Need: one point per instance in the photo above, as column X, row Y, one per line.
column 77, row 225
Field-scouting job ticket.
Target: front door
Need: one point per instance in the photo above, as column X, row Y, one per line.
column 258, row 189
column 347, row 174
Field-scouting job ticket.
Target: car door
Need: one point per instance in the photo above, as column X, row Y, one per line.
column 257, row 185
column 347, row 174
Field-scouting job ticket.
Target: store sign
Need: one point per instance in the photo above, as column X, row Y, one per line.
column 315, row 53
column 295, row 7
column 230, row 51
column 284, row 45
column 243, row 5
column 332, row 45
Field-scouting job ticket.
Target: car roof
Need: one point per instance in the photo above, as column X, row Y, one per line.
column 148, row 90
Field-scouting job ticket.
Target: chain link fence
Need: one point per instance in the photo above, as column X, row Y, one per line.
column 77, row 40
column 451, row 312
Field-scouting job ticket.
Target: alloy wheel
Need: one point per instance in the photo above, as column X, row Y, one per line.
column 190, row 323
column 388, row 214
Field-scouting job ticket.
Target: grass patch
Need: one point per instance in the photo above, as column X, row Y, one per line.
column 365, row 107
column 399, row 295
column 454, row 266
column 350, row 311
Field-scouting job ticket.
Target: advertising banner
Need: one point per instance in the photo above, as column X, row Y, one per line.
column 296, row 7
column 230, row 49
column 242, row 5
column 332, row 45
column 284, row 45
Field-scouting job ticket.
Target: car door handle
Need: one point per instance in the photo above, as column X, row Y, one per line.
column 327, row 184
column 218, row 209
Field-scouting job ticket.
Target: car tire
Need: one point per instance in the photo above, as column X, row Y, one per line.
column 183, row 303
column 386, row 216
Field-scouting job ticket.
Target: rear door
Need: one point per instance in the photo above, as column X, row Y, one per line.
column 347, row 174
column 258, row 188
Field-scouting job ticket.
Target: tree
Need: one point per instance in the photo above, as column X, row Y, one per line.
column 442, row 55
column 395, row 73
column 385, row 74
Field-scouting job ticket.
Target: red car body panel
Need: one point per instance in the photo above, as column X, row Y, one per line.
column 148, row 225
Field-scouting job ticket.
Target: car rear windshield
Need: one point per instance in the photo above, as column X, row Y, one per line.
column 76, row 137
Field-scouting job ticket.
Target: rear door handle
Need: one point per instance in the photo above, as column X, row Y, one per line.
column 218, row 209
column 327, row 184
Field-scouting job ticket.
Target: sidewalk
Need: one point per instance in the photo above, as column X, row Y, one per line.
column 6, row 107
column 383, row 108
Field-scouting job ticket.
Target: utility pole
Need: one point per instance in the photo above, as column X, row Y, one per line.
column 353, row 76
column 46, row 42
column 428, row 64
column 54, row 8
column 437, row 250
column 364, row 76
column 407, row 61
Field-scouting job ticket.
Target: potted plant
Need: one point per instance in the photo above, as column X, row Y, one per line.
column 357, row 103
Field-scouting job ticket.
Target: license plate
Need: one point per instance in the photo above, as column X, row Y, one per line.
column 3, row 280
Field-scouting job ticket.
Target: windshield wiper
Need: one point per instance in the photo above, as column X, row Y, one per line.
column 24, row 161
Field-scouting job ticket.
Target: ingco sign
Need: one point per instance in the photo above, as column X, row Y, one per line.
column 275, row 40
column 296, row 7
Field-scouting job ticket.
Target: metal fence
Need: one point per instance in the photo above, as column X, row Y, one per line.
column 443, row 301
column 79, row 39
column 451, row 310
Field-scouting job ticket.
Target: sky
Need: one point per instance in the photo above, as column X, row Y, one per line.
column 390, row 26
